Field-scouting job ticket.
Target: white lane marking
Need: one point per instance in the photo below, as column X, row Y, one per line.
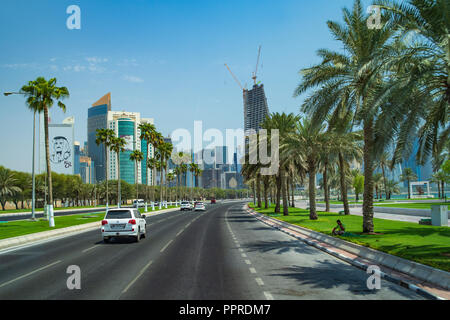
column 241, row 250
column 268, row 295
column 165, row 247
column 86, row 250
column 259, row 281
column 137, row 277
column 30, row 273
column 243, row 255
column 247, row 261
column 179, row 232
column 252, row 270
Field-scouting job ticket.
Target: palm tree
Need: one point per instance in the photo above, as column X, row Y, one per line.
column 118, row 145
column 8, row 185
column 377, row 182
column 345, row 82
column 152, row 164
column 421, row 64
column 166, row 149
column 147, row 131
column 441, row 177
column 285, row 124
column 383, row 163
column 408, row 175
column 391, row 187
column 105, row 136
column 192, row 169
column 41, row 95
column 136, row 156
column 306, row 143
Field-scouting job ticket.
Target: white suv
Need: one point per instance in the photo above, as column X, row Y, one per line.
column 185, row 205
column 138, row 203
column 123, row 222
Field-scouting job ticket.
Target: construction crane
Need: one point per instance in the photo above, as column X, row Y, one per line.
column 257, row 63
column 234, row 77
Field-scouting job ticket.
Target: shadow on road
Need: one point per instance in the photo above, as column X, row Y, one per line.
column 281, row 247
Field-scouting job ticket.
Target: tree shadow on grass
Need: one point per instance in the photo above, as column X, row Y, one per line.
column 334, row 275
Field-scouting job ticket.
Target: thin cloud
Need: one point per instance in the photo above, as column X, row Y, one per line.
column 133, row 79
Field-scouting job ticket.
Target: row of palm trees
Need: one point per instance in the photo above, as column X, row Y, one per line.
column 383, row 89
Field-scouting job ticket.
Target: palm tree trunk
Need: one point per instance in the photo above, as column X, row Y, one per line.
column 278, row 194
column 284, row 192
column 325, row 186
column 266, row 198
column 409, row 190
column 137, row 185
column 258, row 189
column 384, row 180
column 119, row 194
column 106, row 175
column 368, row 178
column 47, row 157
column 343, row 185
column 312, row 189
column 293, row 195
column 443, row 188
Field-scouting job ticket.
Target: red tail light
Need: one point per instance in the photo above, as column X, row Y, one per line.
column 132, row 221
column 104, row 222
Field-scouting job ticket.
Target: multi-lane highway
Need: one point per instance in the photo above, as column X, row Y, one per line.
column 222, row 253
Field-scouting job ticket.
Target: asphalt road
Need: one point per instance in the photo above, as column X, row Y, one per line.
column 222, row 253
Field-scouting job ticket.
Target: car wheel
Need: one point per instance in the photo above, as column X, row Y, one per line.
column 106, row 239
column 145, row 232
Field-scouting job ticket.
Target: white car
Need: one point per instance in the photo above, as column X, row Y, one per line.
column 185, row 205
column 124, row 222
column 199, row 206
column 139, row 203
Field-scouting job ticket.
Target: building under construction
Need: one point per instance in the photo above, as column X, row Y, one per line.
column 255, row 108
column 255, row 102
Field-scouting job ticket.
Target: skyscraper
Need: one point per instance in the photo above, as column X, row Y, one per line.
column 98, row 119
column 255, row 108
column 125, row 125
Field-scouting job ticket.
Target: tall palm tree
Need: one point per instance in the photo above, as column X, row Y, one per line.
column 285, row 124
column 118, row 145
column 192, row 169
column 105, row 136
column 408, row 175
column 136, row 156
column 306, row 143
column 345, row 81
column 152, row 164
column 41, row 95
column 420, row 86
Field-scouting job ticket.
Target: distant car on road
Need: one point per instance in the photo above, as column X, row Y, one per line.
column 138, row 203
column 213, row 201
column 185, row 205
column 124, row 222
column 199, row 206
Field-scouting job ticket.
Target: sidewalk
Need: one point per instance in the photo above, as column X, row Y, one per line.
column 334, row 247
column 358, row 211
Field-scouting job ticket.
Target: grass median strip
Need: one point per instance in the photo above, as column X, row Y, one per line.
column 413, row 205
column 421, row 243
column 25, row 227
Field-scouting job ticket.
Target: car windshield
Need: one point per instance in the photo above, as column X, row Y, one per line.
column 199, row 204
column 185, row 203
column 118, row 214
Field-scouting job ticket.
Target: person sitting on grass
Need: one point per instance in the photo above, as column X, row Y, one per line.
column 341, row 228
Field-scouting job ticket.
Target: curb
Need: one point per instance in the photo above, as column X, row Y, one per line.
column 351, row 261
column 10, row 243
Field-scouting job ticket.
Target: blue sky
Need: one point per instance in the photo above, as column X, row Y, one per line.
column 164, row 59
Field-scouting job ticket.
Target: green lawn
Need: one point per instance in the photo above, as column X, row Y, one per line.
column 412, row 205
column 424, row 244
column 23, row 227
column 42, row 210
